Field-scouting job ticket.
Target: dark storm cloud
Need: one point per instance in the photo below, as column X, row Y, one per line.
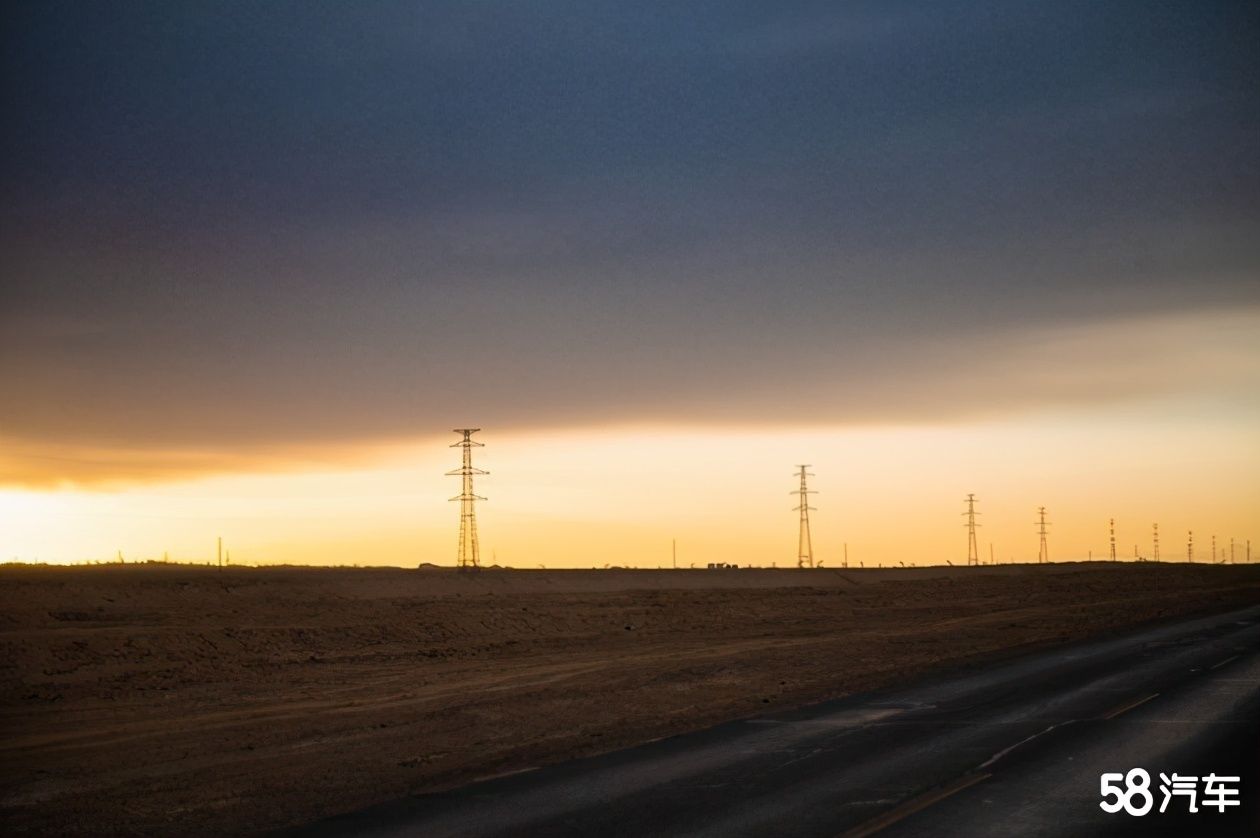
column 230, row 223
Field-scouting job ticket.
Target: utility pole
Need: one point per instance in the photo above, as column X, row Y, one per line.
column 219, row 556
column 1190, row 546
column 805, row 547
column 1043, row 552
column 1231, row 549
column 1113, row 539
column 469, row 556
column 846, row 554
column 973, row 552
column 991, row 553
column 1213, row 548
column 1155, row 556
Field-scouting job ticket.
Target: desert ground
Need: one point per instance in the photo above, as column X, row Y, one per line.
column 189, row 700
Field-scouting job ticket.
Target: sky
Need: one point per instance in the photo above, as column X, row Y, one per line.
column 260, row 258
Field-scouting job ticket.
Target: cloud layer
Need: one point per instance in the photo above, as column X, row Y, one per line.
column 237, row 229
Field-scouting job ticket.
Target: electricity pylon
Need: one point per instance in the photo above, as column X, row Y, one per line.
column 1155, row 556
column 1043, row 552
column 469, row 551
column 1113, row 539
column 805, row 546
column 1190, row 546
column 973, row 552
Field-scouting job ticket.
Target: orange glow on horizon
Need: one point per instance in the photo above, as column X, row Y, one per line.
column 618, row 496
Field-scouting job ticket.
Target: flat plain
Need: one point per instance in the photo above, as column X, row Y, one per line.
column 166, row 698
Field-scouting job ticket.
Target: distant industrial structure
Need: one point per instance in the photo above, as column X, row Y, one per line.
column 973, row 552
column 804, row 545
column 469, row 552
column 469, row 555
column 1043, row 552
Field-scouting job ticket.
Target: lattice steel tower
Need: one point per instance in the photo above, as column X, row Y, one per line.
column 973, row 552
column 1156, row 535
column 1043, row 552
column 804, row 546
column 1112, row 525
column 469, row 551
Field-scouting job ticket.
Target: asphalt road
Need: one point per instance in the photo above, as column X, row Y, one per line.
column 1011, row 749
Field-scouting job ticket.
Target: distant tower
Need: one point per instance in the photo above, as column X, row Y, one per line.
column 1190, row 546
column 1043, row 552
column 973, row 552
column 1155, row 555
column 805, row 547
column 1231, row 549
column 1113, row 539
column 1213, row 549
column 469, row 552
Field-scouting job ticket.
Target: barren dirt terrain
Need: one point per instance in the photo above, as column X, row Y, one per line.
column 178, row 700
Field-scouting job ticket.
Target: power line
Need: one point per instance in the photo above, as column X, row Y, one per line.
column 1043, row 552
column 804, row 545
column 973, row 552
column 469, row 551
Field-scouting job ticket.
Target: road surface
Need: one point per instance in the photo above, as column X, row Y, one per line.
column 1015, row 748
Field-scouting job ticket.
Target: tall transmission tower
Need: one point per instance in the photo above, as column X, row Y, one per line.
column 973, row 552
column 1043, row 552
column 1113, row 539
column 805, row 546
column 1213, row 549
column 469, row 551
column 1190, row 546
column 1155, row 555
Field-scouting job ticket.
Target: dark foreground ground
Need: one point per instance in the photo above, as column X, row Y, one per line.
column 1014, row 748
column 185, row 700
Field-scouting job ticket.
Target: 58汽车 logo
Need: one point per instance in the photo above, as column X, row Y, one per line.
column 1136, row 798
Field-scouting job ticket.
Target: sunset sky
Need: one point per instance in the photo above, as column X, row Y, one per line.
column 259, row 259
